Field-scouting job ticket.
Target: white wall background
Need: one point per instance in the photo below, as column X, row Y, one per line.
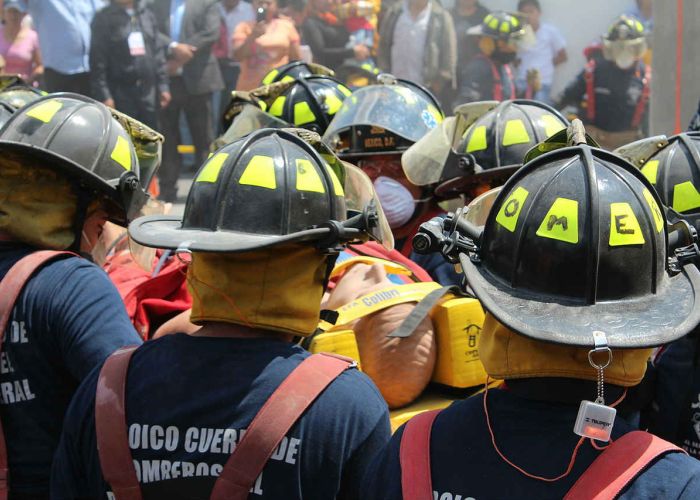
column 581, row 22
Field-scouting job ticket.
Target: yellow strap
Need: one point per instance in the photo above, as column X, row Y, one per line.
column 381, row 299
column 389, row 266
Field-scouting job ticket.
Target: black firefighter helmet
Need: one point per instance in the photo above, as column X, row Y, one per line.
column 294, row 70
column 576, row 244
column 386, row 118
column 310, row 102
column 79, row 137
column 485, row 143
column 269, row 188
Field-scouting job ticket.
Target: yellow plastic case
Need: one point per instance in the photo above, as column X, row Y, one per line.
column 458, row 325
column 427, row 401
column 339, row 342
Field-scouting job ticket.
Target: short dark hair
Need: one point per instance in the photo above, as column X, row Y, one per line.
column 534, row 3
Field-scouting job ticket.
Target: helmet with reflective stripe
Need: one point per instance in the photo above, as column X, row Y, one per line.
column 500, row 25
column 575, row 244
column 311, row 102
column 268, row 188
column 675, row 173
column 80, row 137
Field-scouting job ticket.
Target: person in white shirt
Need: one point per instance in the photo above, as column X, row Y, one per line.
column 548, row 51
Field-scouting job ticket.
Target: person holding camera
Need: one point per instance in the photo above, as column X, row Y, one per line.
column 261, row 45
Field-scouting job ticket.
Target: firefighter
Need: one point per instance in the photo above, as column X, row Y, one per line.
column 372, row 130
column 611, row 94
column 67, row 167
column 489, row 75
column 672, row 165
column 263, row 223
column 570, row 334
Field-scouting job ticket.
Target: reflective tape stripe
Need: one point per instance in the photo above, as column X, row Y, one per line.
column 561, row 221
column 277, row 107
column 624, row 226
column 515, row 133
column 685, row 197
column 510, row 211
column 333, row 102
column 551, row 125
column 651, row 170
column 655, row 210
column 269, row 78
column 260, row 172
column 477, row 141
column 211, row 169
column 46, row 110
column 122, row 153
column 303, row 113
column 337, row 186
column 287, row 78
column 344, row 90
column 308, row 178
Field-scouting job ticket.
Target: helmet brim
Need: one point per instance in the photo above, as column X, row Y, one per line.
column 163, row 231
column 669, row 314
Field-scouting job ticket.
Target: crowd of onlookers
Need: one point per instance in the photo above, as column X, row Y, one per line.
column 158, row 59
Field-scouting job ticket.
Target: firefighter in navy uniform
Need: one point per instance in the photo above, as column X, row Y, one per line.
column 489, row 75
column 66, row 167
column 264, row 221
column 570, row 335
column 612, row 93
column 673, row 166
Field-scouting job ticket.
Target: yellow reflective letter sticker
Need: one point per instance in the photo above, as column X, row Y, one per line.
column 270, row 76
column 260, row 172
column 303, row 113
column 655, row 210
column 551, row 125
column 477, row 142
column 278, row 106
column 46, row 110
column 561, row 222
column 122, row 153
column 685, row 197
column 510, row 211
column 210, row 172
column 308, row 178
column 651, row 170
column 624, row 227
column 337, row 186
column 515, row 133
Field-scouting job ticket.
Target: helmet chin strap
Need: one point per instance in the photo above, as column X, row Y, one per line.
column 83, row 201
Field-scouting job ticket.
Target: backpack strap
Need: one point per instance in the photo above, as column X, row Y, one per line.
column 279, row 413
column 644, row 99
column 619, row 465
column 10, row 288
column 589, row 75
column 111, row 428
column 414, row 455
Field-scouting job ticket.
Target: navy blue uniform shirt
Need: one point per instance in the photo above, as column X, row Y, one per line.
column 189, row 401
column 66, row 321
column 535, row 435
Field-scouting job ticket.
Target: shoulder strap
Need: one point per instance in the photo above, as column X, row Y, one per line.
column 10, row 288
column 644, row 99
column 111, row 429
column 619, row 465
column 589, row 74
column 273, row 421
column 497, row 83
column 414, row 454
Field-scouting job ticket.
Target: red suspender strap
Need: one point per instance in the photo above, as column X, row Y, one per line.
column 511, row 82
column 619, row 465
column 589, row 74
column 10, row 288
column 414, row 454
column 644, row 99
column 111, row 429
column 273, row 421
